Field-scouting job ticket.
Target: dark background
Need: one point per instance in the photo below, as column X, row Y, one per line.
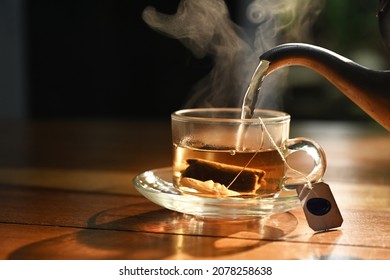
column 99, row 59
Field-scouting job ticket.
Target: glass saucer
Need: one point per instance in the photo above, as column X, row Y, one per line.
column 156, row 185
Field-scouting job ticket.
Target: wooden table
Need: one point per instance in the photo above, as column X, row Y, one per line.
column 66, row 193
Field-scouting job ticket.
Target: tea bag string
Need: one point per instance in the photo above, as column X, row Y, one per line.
column 308, row 183
column 240, row 146
column 273, row 143
column 242, row 170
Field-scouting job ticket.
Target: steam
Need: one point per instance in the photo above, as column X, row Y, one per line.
column 205, row 28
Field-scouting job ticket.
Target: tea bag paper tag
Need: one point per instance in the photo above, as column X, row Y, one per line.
column 319, row 206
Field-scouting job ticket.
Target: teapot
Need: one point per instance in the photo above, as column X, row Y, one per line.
column 369, row 89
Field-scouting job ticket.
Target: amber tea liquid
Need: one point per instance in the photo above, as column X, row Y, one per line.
column 269, row 161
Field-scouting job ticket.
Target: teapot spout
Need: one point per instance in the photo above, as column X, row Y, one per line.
column 368, row 89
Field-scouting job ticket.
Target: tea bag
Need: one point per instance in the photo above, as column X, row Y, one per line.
column 319, row 206
column 208, row 187
column 225, row 174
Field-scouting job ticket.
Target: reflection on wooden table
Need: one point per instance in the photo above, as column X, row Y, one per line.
column 66, row 193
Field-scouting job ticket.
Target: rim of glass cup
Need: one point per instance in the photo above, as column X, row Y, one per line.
column 192, row 114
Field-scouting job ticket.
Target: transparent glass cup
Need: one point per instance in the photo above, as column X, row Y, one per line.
column 216, row 153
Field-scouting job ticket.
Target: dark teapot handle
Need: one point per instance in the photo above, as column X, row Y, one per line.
column 384, row 21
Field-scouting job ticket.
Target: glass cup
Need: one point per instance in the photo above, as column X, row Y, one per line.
column 218, row 154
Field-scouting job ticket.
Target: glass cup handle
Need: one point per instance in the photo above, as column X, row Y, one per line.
column 315, row 151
